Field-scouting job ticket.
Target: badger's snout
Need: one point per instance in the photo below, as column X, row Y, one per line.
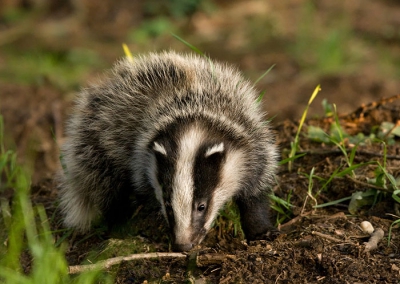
column 185, row 240
column 182, row 247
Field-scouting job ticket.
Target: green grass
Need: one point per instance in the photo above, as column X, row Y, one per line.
column 228, row 221
column 282, row 207
column 295, row 144
column 26, row 233
column 383, row 184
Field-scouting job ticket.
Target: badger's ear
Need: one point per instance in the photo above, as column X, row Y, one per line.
column 159, row 148
column 217, row 148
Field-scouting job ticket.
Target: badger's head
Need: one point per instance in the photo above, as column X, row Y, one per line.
column 194, row 172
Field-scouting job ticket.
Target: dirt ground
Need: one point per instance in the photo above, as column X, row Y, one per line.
column 324, row 245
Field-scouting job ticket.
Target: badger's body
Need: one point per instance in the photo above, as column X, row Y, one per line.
column 180, row 126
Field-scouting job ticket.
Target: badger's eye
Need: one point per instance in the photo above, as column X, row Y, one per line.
column 201, row 207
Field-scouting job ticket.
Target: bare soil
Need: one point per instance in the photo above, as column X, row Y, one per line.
column 323, row 245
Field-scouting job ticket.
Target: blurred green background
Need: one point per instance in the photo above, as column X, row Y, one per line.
column 351, row 48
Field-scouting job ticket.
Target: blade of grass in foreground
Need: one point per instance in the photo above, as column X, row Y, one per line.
column 191, row 46
column 294, row 145
column 25, row 228
column 127, row 52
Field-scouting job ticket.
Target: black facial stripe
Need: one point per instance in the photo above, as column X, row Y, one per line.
column 165, row 165
column 206, row 173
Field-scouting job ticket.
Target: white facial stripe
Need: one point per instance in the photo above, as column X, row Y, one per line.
column 217, row 148
column 231, row 175
column 183, row 184
column 160, row 148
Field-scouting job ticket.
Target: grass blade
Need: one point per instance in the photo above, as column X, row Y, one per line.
column 191, row 46
column 332, row 202
column 294, row 145
column 259, row 99
column 284, row 161
column 127, row 52
column 263, row 75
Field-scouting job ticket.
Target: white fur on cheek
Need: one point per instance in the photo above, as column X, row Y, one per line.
column 231, row 175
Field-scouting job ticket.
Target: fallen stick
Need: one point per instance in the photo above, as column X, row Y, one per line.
column 212, row 259
column 105, row 264
column 294, row 220
column 326, row 237
column 375, row 238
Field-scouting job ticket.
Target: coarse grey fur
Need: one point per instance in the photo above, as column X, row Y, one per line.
column 180, row 127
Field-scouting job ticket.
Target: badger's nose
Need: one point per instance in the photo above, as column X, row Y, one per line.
column 183, row 247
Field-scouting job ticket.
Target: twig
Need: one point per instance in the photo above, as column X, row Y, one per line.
column 376, row 236
column 225, row 280
column 369, row 185
column 212, row 259
column 294, row 220
column 105, row 264
column 326, row 237
column 304, row 205
column 339, row 215
column 313, row 199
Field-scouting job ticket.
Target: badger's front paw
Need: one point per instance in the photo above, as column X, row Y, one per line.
column 269, row 235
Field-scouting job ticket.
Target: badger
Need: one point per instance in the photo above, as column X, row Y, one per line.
column 180, row 127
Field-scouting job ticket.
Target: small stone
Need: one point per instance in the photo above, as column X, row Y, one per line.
column 367, row 227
